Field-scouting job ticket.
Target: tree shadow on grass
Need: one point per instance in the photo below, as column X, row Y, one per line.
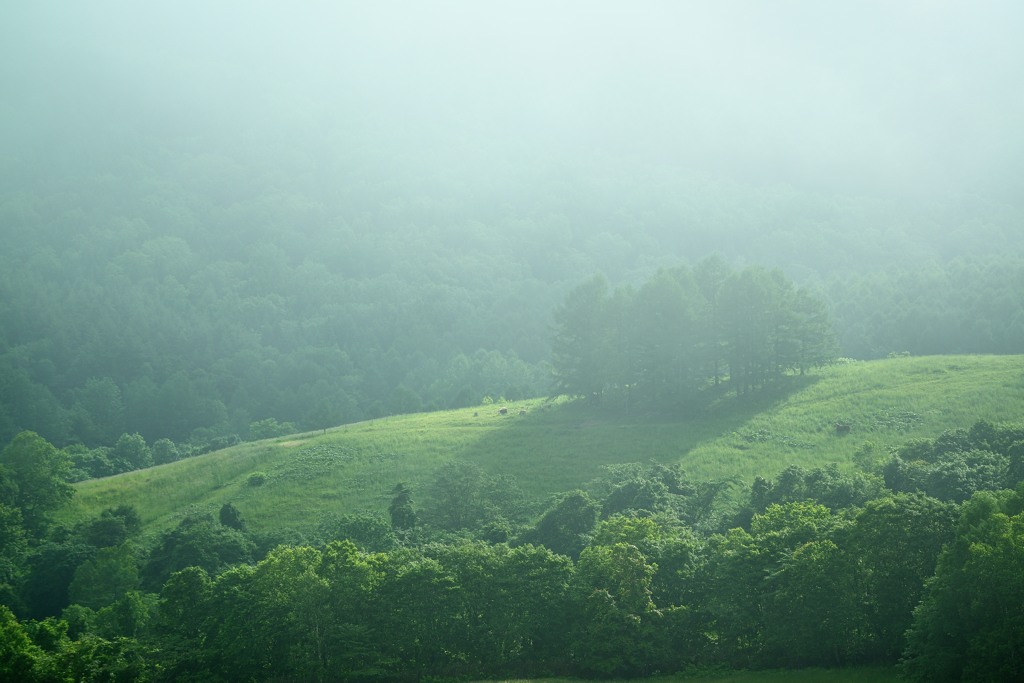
column 550, row 446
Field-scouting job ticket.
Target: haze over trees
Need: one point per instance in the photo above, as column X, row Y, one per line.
column 324, row 214
column 225, row 222
column 683, row 330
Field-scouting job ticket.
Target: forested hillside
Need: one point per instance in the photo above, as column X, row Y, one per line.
column 897, row 551
column 189, row 249
column 136, row 301
column 516, row 339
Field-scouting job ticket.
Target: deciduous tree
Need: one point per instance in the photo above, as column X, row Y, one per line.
column 33, row 479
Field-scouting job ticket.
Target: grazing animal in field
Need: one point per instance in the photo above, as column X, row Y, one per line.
column 503, row 411
column 842, row 428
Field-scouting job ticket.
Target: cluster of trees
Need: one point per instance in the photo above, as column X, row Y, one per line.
column 686, row 328
column 131, row 452
column 959, row 463
column 643, row 572
column 33, row 483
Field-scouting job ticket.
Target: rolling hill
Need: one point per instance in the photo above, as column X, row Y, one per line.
column 553, row 446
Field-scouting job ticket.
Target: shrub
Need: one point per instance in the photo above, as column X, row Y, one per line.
column 256, row 479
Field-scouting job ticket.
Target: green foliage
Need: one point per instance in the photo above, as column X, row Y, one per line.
column 105, row 578
column 17, row 652
column 269, row 428
column 197, row 541
column 969, row 624
column 826, row 485
column 613, row 587
column 127, row 617
column 89, row 463
column 113, row 527
column 33, row 479
column 51, row 569
column 813, row 615
column 501, row 620
column 565, row 527
column 370, row 531
column 895, row 542
column 98, row 412
column 822, row 576
column 783, row 528
column 654, row 488
column 578, row 348
column 754, row 584
column 105, row 532
column 401, row 511
column 639, row 493
column 957, row 463
column 665, row 342
column 130, row 453
column 463, row 496
column 229, row 516
column 164, row 451
column 92, row 658
column 13, row 549
column 962, row 305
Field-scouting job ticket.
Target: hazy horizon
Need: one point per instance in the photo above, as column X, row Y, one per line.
column 911, row 98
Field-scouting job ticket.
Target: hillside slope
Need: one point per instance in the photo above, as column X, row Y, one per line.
column 555, row 446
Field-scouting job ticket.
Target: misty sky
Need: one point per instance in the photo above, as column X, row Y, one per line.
column 922, row 95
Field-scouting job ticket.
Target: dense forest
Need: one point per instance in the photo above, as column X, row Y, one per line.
column 639, row 574
column 132, row 307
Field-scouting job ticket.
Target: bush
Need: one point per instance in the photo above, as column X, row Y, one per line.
column 256, row 479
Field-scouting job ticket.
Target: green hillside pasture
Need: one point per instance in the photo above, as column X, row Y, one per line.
column 885, row 403
column 556, row 446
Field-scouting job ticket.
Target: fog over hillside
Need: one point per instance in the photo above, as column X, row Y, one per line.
column 394, row 340
column 297, row 192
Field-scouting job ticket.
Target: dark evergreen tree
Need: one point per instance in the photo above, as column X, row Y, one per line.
column 230, row 516
column 403, row 515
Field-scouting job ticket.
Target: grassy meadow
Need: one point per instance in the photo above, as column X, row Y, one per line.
column 552, row 446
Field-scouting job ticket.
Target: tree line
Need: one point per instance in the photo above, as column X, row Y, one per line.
column 966, row 305
column 686, row 329
column 644, row 571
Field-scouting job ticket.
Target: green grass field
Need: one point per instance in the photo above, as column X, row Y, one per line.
column 556, row 446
